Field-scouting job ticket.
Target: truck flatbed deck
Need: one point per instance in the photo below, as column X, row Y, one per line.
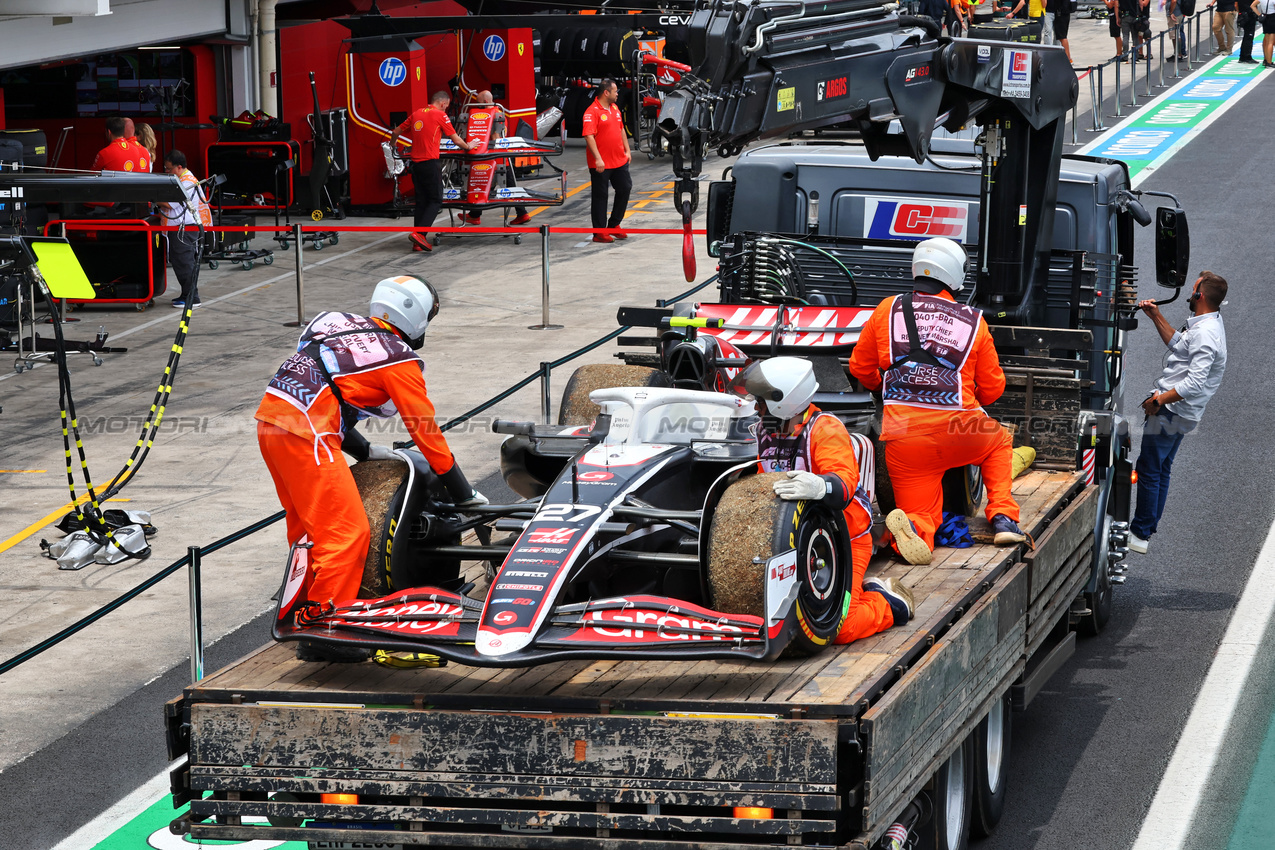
column 614, row 754
column 835, row 681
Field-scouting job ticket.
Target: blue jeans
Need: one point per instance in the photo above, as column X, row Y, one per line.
column 1161, row 437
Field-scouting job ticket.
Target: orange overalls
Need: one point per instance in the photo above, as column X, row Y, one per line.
column 926, row 434
column 826, row 450
column 299, row 431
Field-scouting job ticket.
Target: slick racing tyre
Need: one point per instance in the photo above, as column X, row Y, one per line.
column 378, row 482
column 382, row 485
column 963, row 490
column 749, row 525
column 577, row 409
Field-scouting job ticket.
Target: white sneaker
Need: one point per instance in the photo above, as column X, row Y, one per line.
column 1137, row 544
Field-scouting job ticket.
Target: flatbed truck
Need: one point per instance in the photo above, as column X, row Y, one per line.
column 827, row 750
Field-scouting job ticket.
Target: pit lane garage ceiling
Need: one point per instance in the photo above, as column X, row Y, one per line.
column 38, row 31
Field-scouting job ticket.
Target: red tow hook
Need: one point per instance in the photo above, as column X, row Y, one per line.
column 688, row 243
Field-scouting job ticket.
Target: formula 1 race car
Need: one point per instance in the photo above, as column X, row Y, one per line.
column 647, row 534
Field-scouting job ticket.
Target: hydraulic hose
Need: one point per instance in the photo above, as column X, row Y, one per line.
column 90, row 513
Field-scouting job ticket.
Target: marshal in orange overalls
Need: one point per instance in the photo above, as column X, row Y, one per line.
column 824, row 449
column 300, row 433
column 927, row 432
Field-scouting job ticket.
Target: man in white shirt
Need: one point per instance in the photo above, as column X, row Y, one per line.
column 1193, row 369
column 183, row 245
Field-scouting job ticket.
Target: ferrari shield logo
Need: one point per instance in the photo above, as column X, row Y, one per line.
column 519, row 49
column 418, row 73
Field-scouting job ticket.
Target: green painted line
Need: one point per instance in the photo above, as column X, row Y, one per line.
column 1255, row 824
column 148, row 830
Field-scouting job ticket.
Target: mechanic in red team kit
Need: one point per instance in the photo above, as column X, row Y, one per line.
column 815, row 450
column 347, row 368
column 426, row 128
column 120, row 154
column 608, row 158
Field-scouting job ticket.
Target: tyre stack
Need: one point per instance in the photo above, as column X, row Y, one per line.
column 585, row 54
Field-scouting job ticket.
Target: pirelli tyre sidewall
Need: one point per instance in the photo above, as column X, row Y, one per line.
column 818, row 535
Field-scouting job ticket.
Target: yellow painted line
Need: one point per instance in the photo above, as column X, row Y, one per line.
column 43, row 521
column 575, row 191
column 24, row 471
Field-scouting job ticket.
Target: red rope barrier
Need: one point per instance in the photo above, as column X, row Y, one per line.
column 82, row 224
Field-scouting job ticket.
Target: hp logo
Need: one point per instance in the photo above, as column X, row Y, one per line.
column 392, row 71
column 494, row 48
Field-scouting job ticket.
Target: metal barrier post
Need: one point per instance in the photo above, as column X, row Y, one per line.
column 296, row 244
column 196, row 617
column 1162, row 60
column 1095, row 97
column 1133, row 79
column 1147, row 78
column 1119, row 62
column 1075, row 139
column 545, row 403
column 544, row 292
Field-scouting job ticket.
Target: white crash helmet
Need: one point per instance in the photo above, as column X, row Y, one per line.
column 940, row 259
column 785, row 385
column 407, row 303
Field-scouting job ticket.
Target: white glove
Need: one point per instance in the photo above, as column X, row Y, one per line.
column 801, row 486
column 375, row 452
column 475, row 498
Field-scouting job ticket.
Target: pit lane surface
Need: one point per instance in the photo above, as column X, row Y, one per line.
column 1088, row 755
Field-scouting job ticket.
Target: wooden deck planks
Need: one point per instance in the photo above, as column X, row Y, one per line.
column 833, row 677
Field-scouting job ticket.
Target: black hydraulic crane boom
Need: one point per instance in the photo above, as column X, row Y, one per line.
column 766, row 69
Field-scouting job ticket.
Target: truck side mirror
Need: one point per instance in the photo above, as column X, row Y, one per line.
column 1172, row 247
column 721, row 196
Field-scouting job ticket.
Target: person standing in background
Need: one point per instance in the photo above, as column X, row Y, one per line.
column 189, row 218
column 608, row 158
column 1062, row 24
column 1193, row 369
column 147, row 141
column 1224, row 26
column 1113, row 25
column 426, row 127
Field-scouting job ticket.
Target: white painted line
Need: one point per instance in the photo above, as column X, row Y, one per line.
column 1190, row 135
column 1147, row 106
column 117, row 816
column 177, row 314
column 1181, row 790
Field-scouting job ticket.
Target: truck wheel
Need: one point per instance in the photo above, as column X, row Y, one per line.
column 952, row 801
column 749, row 525
column 379, row 483
column 1102, row 599
column 576, row 407
column 963, row 490
column 990, row 751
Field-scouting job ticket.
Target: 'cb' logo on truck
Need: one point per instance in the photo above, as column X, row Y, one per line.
column 494, row 48
column 914, row 218
column 392, row 71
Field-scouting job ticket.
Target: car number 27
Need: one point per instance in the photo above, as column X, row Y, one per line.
column 571, row 514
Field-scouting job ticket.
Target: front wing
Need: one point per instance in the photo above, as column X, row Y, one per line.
column 445, row 623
